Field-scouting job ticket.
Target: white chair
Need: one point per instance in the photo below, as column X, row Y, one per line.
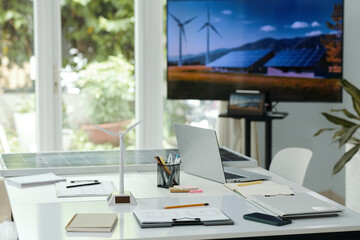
column 291, row 163
column 3, row 140
column 7, row 227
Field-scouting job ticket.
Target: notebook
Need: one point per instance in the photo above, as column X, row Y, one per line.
column 297, row 205
column 34, row 180
column 92, row 222
column 200, row 156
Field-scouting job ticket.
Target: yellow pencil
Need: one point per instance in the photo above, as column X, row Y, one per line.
column 164, row 165
column 188, row 205
column 248, row 183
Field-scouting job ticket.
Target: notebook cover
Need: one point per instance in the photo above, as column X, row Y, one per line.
column 92, row 222
column 297, row 205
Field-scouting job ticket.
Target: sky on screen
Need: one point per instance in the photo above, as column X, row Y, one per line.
column 245, row 21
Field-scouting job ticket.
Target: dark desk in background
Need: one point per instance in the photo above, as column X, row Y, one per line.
column 267, row 118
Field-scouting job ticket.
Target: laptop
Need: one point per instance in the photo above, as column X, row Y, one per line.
column 200, row 156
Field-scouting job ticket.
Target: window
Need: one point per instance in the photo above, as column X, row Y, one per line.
column 17, row 76
column 98, row 85
column 84, row 44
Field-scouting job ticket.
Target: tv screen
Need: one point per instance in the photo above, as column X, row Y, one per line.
column 289, row 49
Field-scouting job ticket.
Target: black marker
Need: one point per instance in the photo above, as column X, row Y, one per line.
column 74, row 181
column 85, row 184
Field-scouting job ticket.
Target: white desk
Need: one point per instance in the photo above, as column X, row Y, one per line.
column 40, row 215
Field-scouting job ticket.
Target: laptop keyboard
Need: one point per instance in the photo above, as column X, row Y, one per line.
column 229, row 156
column 232, row 176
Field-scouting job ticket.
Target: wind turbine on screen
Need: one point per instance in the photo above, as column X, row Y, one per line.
column 181, row 33
column 208, row 25
column 121, row 197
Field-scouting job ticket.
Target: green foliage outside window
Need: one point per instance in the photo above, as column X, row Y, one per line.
column 110, row 86
column 16, row 31
column 94, row 30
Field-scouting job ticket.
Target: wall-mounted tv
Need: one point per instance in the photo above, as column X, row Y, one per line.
column 289, row 49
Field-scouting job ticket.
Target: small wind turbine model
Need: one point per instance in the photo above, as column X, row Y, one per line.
column 121, row 197
column 181, row 33
column 208, row 25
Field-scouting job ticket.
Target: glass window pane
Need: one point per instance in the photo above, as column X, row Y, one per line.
column 197, row 113
column 98, row 72
column 17, row 76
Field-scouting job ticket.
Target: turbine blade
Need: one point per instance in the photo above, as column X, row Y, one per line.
column 213, row 28
column 175, row 18
column 202, row 27
column 131, row 127
column 188, row 21
column 107, row 131
column 208, row 12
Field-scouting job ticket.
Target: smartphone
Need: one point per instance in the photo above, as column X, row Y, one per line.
column 268, row 219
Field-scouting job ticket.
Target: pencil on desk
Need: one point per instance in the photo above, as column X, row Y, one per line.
column 187, row 205
column 248, row 183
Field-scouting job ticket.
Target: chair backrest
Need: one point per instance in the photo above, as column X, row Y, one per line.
column 4, row 141
column 291, row 163
column 7, row 227
column 5, row 209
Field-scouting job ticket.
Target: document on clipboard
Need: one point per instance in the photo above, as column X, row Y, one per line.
column 265, row 188
column 148, row 218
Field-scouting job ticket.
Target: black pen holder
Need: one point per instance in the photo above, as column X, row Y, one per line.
column 168, row 175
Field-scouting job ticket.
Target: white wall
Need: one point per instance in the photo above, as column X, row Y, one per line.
column 305, row 118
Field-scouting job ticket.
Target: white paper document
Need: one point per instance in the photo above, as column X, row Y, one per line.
column 35, row 180
column 264, row 188
column 179, row 214
column 102, row 189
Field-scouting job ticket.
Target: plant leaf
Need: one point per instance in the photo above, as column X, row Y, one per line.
column 338, row 121
column 323, row 130
column 345, row 158
column 346, row 113
column 354, row 93
column 356, row 105
column 347, row 135
column 339, row 133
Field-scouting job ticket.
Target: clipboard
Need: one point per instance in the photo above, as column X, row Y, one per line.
column 184, row 220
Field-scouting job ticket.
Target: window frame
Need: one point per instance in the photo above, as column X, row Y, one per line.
column 148, row 73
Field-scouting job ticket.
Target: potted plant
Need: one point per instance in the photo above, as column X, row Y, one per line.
column 346, row 133
column 109, row 88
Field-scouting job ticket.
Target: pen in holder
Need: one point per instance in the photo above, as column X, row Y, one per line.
column 168, row 175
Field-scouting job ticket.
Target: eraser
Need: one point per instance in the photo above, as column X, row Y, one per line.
column 196, row 191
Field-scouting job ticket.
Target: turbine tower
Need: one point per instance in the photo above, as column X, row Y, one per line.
column 121, row 196
column 181, row 33
column 208, row 25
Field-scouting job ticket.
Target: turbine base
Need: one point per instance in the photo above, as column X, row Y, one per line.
column 116, row 198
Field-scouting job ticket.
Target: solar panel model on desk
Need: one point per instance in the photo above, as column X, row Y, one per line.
column 74, row 162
